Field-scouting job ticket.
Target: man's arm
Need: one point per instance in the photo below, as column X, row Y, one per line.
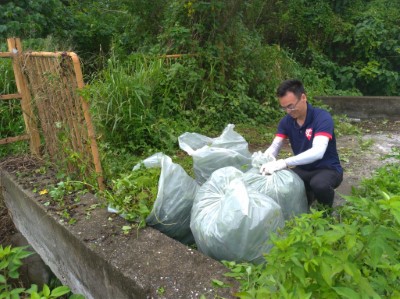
column 316, row 152
column 275, row 146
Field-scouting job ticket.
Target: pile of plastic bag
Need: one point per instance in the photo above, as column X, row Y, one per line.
column 229, row 210
column 231, row 221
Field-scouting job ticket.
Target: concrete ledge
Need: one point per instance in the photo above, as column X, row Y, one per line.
column 364, row 107
column 122, row 266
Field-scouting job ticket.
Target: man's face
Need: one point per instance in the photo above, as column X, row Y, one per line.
column 294, row 106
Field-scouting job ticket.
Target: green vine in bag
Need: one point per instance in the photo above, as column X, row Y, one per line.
column 134, row 193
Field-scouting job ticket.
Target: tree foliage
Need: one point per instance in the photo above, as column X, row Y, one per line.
column 235, row 53
column 354, row 42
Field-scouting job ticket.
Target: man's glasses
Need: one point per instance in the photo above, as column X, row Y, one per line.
column 290, row 107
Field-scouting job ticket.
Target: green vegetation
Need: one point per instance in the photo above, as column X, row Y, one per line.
column 10, row 262
column 352, row 254
column 134, row 194
column 233, row 57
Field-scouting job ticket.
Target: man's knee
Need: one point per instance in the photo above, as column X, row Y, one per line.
column 324, row 193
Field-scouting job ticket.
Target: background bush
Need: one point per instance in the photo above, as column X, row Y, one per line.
column 235, row 53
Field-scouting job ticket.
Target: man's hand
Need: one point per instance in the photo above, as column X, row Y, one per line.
column 271, row 167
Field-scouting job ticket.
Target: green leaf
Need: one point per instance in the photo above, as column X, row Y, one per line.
column 76, row 296
column 4, row 264
column 396, row 214
column 15, row 296
column 35, row 295
column 2, row 279
column 388, row 233
column 4, row 295
column 243, row 295
column 326, row 273
column 17, row 291
column 375, row 211
column 59, row 291
column 366, row 287
column 46, row 290
column 333, row 236
column 23, row 254
column 336, row 268
column 218, row 283
column 376, row 248
column 33, row 288
column 13, row 274
column 346, row 292
column 352, row 270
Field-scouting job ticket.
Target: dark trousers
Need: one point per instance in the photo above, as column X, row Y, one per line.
column 320, row 183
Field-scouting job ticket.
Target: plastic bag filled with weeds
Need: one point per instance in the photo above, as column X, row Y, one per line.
column 175, row 196
column 210, row 154
column 284, row 186
column 231, row 221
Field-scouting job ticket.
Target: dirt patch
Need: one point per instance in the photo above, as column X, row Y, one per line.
column 33, row 174
column 362, row 154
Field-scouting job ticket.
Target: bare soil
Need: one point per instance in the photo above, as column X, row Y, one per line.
column 360, row 154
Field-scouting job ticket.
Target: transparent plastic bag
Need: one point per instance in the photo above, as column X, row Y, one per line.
column 210, row 154
column 231, row 221
column 176, row 192
column 284, row 186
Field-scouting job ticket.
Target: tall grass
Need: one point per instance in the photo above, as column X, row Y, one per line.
column 125, row 98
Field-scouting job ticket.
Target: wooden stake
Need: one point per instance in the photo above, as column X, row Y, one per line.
column 85, row 107
column 14, row 139
column 15, row 47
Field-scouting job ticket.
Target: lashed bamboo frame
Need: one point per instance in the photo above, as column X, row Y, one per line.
column 69, row 106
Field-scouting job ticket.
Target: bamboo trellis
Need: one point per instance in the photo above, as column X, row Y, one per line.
column 23, row 94
column 49, row 84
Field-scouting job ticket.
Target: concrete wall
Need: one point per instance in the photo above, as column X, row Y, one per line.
column 112, row 267
column 364, row 107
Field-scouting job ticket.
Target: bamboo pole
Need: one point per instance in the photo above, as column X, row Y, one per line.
column 10, row 96
column 15, row 47
column 90, row 128
column 14, row 139
column 6, row 54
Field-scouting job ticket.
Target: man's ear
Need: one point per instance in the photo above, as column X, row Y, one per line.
column 303, row 97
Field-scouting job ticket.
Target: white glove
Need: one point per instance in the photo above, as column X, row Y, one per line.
column 271, row 167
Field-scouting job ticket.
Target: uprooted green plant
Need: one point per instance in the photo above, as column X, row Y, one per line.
column 10, row 262
column 133, row 194
column 354, row 255
column 67, row 187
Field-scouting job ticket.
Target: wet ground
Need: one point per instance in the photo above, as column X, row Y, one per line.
column 362, row 155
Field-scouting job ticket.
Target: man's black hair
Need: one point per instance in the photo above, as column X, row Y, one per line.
column 292, row 85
